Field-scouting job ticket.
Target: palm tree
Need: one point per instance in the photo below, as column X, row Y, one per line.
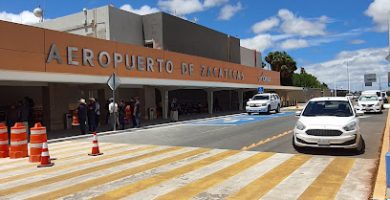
column 283, row 63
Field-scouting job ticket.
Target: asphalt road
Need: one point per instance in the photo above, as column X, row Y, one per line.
column 267, row 133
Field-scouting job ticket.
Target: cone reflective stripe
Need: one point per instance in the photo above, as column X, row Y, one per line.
column 3, row 141
column 45, row 157
column 37, row 137
column 95, row 146
column 75, row 119
column 18, row 145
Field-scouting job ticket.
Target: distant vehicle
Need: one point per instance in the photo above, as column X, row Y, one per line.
column 328, row 122
column 382, row 97
column 369, row 103
column 263, row 103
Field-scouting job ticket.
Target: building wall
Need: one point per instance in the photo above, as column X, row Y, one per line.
column 183, row 36
column 75, row 23
column 250, row 57
column 125, row 27
column 153, row 26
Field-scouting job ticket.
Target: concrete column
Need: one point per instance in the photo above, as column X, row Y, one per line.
column 210, row 101
column 165, row 105
column 150, row 99
column 240, row 100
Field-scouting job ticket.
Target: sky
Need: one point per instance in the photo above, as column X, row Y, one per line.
column 325, row 37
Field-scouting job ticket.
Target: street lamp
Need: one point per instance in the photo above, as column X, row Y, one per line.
column 38, row 12
column 349, row 83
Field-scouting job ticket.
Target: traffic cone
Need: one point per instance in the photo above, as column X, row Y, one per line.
column 3, row 141
column 95, row 147
column 45, row 157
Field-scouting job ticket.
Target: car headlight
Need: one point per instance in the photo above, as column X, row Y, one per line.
column 350, row 127
column 300, row 126
column 247, row 104
column 264, row 104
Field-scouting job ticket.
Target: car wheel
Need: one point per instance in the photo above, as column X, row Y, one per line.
column 278, row 109
column 362, row 147
column 249, row 113
column 268, row 109
column 297, row 148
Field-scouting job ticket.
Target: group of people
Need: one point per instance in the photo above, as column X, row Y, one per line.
column 118, row 115
column 22, row 111
column 124, row 113
column 88, row 115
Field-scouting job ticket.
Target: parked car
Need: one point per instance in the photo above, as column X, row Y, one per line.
column 369, row 103
column 384, row 97
column 328, row 122
column 263, row 103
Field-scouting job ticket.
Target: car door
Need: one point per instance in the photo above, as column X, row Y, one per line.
column 273, row 100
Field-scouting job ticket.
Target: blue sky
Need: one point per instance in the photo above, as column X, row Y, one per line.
column 321, row 35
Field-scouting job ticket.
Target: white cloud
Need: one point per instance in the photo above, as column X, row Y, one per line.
column 181, row 7
column 360, row 62
column 300, row 26
column 259, row 42
column 265, row 25
column 379, row 11
column 144, row 10
column 228, row 11
column 25, row 17
column 294, row 44
column 213, row 3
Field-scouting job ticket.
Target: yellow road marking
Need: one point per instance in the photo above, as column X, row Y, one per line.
column 328, row 183
column 257, row 188
column 14, row 161
column 202, row 184
column 63, row 158
column 112, row 177
column 264, row 141
column 143, row 184
column 51, row 180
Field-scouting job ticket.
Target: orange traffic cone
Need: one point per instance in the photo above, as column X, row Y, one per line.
column 45, row 157
column 3, row 141
column 75, row 119
column 95, row 147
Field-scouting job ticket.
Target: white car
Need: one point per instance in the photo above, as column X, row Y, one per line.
column 328, row 122
column 369, row 103
column 263, row 103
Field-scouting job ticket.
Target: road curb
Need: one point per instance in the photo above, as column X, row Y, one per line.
column 137, row 129
column 379, row 191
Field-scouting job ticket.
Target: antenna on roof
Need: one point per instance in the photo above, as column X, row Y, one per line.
column 38, row 12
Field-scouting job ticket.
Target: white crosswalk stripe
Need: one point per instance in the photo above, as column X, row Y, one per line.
column 146, row 172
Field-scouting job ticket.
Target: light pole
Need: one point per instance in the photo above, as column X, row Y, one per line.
column 349, row 83
column 38, row 12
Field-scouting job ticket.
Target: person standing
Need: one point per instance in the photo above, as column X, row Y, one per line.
column 174, row 110
column 113, row 110
column 137, row 113
column 121, row 114
column 82, row 114
column 97, row 114
column 91, row 112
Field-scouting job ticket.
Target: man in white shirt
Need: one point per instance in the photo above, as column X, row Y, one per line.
column 113, row 109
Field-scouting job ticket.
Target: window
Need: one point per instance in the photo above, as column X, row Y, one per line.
column 328, row 108
column 260, row 97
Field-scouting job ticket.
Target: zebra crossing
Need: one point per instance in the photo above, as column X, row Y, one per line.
column 133, row 171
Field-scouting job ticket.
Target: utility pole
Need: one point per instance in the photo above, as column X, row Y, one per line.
column 349, row 83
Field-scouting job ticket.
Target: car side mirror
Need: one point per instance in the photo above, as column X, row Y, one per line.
column 250, row 99
column 359, row 113
column 298, row 113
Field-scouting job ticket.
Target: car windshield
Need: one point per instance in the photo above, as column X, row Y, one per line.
column 328, row 108
column 368, row 98
column 260, row 97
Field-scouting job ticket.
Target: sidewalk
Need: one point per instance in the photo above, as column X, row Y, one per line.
column 144, row 124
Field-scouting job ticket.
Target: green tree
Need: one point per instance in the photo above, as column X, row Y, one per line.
column 283, row 63
column 307, row 80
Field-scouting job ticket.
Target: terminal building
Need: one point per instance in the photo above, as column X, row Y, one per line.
column 157, row 57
